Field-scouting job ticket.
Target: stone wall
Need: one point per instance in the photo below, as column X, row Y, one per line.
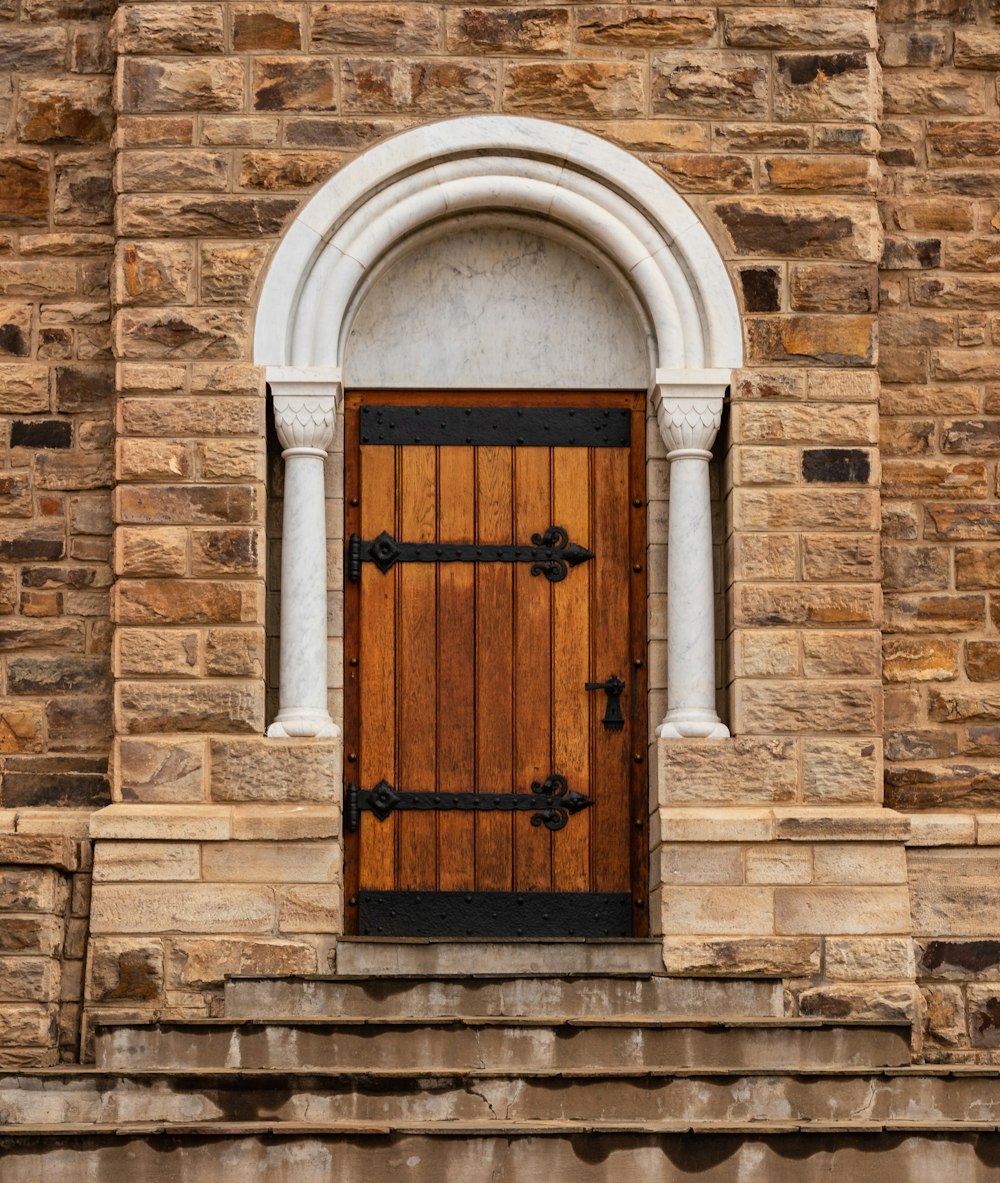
column 940, row 402
column 57, row 383
column 44, row 905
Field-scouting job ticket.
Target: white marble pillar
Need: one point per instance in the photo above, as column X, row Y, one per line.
column 689, row 412
column 305, row 413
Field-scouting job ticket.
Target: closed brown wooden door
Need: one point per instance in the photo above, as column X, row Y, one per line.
column 467, row 676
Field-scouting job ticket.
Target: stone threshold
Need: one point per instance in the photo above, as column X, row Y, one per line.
column 516, row 957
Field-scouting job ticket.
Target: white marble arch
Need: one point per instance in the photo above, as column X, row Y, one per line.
column 557, row 183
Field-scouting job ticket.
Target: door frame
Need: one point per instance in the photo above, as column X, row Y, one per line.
column 638, row 779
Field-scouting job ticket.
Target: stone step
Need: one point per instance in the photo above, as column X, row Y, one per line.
column 92, row 1097
column 511, row 1152
column 454, row 1044
column 336, row 995
column 427, row 957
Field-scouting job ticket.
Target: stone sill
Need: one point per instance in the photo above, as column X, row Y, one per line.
column 215, row 823
column 60, row 823
column 796, row 823
column 39, row 850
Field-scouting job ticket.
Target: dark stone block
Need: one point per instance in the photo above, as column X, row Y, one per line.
column 41, row 433
column 761, row 289
column 846, row 465
column 32, row 548
column 959, row 959
column 83, row 790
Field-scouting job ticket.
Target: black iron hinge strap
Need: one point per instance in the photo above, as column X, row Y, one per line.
column 551, row 801
column 551, row 553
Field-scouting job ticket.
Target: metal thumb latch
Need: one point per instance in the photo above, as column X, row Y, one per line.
column 612, row 687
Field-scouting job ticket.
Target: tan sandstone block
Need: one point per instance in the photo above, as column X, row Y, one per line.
column 736, row 770
column 860, row 862
column 680, row 864
column 160, row 770
column 271, row 862
column 780, row 862
column 125, row 970
column 864, row 959
column 201, row 963
column 885, row 1003
column 718, row 911
column 764, row 557
column 190, row 907
column 608, row 89
column 826, row 910
column 942, row 829
column 193, row 823
column 310, row 908
column 768, row 707
column 145, row 708
column 263, row 769
column 772, row 956
column 156, row 652
column 143, row 861
column 766, row 654
column 841, row 770
column 712, row 825
column 149, row 460
column 285, row 822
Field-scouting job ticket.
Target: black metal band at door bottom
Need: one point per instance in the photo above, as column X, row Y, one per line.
column 494, row 914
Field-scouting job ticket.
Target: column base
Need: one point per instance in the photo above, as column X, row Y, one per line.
column 303, row 722
column 692, row 723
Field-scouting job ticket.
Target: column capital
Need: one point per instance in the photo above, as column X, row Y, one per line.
column 305, row 403
column 688, row 407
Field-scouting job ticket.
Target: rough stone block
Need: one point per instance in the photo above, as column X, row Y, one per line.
column 386, row 28
column 35, row 890
column 919, row 659
column 736, row 770
column 146, row 651
column 168, row 601
column 275, row 770
column 826, row 86
column 886, row 1004
column 182, row 84
column 196, row 504
column 858, row 959
column 789, row 226
column 182, row 332
column 643, row 25
column 750, row 957
column 724, row 83
column 161, row 550
column 201, row 963
column 600, row 89
column 29, row 979
column 841, row 770
column 219, row 705
column 169, row 28
column 64, row 111
column 125, row 970
column 160, row 771
column 806, row 509
column 274, row 27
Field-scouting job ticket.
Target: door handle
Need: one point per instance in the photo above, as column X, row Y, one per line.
column 612, row 687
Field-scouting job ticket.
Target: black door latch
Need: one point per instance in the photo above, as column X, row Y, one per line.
column 613, row 687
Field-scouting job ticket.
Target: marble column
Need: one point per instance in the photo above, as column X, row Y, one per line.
column 305, row 412
column 689, row 414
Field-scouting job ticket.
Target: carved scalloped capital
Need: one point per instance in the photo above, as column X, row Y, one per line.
column 689, row 418
column 305, row 405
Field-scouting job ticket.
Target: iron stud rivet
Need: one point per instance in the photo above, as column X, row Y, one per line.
column 637, row 757
column 638, row 663
column 355, row 501
column 637, row 503
column 353, row 661
column 352, row 757
column 637, row 567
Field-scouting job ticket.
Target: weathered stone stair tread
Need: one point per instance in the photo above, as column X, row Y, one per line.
column 793, row 1022
column 329, row 995
column 497, row 1128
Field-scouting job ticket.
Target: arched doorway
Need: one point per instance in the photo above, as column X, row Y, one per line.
column 509, row 277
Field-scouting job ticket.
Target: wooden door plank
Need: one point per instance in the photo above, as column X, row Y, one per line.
column 376, row 652
column 532, row 668
column 494, row 668
column 610, row 625
column 416, row 644
column 572, row 708
column 456, row 667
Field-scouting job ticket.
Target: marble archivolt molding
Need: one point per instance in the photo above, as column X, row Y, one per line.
column 573, row 182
